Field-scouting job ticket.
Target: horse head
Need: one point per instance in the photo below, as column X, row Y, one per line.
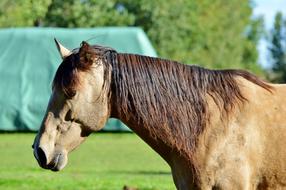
column 79, row 105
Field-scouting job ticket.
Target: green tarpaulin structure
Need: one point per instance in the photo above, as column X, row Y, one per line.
column 28, row 62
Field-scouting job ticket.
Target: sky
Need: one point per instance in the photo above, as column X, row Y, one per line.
column 268, row 9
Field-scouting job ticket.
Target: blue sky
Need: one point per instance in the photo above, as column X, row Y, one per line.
column 267, row 8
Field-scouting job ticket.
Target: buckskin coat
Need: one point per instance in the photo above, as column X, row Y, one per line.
column 217, row 129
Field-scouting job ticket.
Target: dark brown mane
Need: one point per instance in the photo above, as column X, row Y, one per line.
column 168, row 98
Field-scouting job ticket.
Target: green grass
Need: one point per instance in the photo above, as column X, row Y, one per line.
column 104, row 162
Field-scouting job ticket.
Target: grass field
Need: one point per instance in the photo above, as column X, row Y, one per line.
column 104, row 162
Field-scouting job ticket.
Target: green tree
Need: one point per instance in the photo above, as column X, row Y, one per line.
column 277, row 48
column 205, row 32
column 255, row 31
column 22, row 12
column 88, row 13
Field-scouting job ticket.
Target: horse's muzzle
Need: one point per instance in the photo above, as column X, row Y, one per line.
column 57, row 162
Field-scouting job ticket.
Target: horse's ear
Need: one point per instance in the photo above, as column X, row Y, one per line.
column 86, row 53
column 85, row 47
column 64, row 52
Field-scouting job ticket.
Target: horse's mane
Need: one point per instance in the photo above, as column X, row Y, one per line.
column 168, row 98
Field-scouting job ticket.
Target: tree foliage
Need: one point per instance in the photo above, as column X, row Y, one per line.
column 88, row 13
column 278, row 48
column 215, row 34
column 15, row 13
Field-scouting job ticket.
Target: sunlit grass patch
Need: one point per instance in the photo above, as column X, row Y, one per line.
column 105, row 161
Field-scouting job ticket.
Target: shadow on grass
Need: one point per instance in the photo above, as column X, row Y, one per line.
column 139, row 172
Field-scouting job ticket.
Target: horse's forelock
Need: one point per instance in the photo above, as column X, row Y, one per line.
column 67, row 76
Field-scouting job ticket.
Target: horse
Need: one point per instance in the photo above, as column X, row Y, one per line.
column 216, row 129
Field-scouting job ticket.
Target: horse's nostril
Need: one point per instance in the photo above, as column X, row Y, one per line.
column 42, row 156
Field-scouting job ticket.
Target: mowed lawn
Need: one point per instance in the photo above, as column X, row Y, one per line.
column 104, row 161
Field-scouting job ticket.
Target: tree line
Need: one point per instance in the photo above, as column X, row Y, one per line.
column 214, row 34
column 277, row 49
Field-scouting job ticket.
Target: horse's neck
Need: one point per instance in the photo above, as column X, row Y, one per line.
column 143, row 132
column 181, row 166
column 140, row 129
